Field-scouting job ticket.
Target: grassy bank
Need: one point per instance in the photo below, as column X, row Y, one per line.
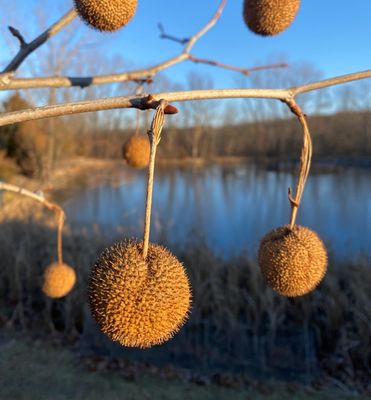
column 237, row 323
column 34, row 370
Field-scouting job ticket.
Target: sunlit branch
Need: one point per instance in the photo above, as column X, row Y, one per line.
column 7, row 83
column 244, row 71
column 146, row 102
column 35, row 196
column 48, row 204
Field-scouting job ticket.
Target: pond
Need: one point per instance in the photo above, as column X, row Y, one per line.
column 229, row 208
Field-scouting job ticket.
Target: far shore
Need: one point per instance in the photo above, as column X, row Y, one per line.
column 92, row 171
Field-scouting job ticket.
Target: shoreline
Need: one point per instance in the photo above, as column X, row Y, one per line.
column 90, row 172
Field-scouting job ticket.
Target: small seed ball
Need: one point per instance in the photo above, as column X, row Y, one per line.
column 269, row 17
column 292, row 261
column 106, row 15
column 136, row 151
column 59, row 279
column 137, row 302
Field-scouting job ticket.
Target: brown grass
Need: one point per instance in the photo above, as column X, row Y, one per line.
column 236, row 321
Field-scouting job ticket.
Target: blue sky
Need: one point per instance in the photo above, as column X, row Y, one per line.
column 334, row 35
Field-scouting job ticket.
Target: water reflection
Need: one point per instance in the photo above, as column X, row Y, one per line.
column 231, row 207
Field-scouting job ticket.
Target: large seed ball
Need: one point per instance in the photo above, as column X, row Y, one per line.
column 292, row 261
column 137, row 302
column 106, row 15
column 269, row 17
column 59, row 279
column 136, row 151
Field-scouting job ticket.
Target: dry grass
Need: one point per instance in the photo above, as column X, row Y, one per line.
column 237, row 322
column 34, row 370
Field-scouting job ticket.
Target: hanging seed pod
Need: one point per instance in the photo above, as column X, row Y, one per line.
column 136, row 151
column 106, row 15
column 59, row 280
column 139, row 302
column 293, row 261
column 269, row 17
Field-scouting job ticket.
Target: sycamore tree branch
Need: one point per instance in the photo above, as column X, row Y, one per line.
column 27, row 48
column 48, row 204
column 244, row 71
column 35, row 196
column 164, row 35
column 145, row 102
column 7, row 83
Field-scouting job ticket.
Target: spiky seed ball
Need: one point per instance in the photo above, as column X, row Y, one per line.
column 106, row 15
column 292, row 261
column 136, row 151
column 135, row 302
column 269, row 17
column 59, row 279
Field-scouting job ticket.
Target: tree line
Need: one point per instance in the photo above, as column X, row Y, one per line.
column 28, row 147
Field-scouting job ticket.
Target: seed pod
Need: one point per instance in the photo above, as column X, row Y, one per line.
column 137, row 302
column 136, row 151
column 269, row 17
column 292, row 261
column 59, row 279
column 106, row 15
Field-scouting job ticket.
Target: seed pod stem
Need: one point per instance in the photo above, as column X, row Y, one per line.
column 154, row 135
column 305, row 161
column 61, row 218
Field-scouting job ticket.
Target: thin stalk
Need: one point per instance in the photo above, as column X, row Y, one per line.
column 154, row 135
column 60, row 236
column 147, row 219
column 305, row 162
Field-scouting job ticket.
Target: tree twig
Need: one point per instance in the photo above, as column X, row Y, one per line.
column 164, row 35
column 27, row 48
column 18, row 35
column 50, row 205
column 244, row 71
column 7, row 83
column 146, row 102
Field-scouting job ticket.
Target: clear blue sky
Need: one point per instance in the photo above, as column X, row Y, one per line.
column 334, row 35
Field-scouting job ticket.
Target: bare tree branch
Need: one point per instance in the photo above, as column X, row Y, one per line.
column 50, row 205
column 244, row 71
column 205, row 29
column 18, row 35
column 35, row 196
column 146, row 102
column 164, row 35
column 27, row 48
column 356, row 76
column 143, row 74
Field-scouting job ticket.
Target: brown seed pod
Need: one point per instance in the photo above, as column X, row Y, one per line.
column 106, row 15
column 292, row 261
column 137, row 302
column 136, row 151
column 269, row 17
column 59, row 279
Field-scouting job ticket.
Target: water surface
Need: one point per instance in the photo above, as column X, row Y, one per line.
column 230, row 208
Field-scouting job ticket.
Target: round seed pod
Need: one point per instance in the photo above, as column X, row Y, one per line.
column 137, row 302
column 136, row 151
column 269, row 17
column 292, row 261
column 106, row 15
column 59, row 279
